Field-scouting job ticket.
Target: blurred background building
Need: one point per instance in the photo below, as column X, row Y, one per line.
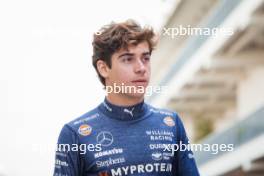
column 216, row 83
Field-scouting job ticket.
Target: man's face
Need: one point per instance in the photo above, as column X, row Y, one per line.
column 131, row 67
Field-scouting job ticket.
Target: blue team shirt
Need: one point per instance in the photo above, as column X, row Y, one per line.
column 114, row 140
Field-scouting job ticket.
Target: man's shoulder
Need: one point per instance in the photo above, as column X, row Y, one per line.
column 162, row 111
column 85, row 119
column 167, row 117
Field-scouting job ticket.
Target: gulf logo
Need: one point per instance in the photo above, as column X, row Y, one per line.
column 169, row 121
column 85, row 130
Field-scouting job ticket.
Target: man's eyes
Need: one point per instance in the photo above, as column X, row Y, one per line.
column 146, row 58
column 130, row 59
column 127, row 59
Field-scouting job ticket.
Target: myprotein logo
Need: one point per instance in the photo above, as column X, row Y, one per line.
column 142, row 169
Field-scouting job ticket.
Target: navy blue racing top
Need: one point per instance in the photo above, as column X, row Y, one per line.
column 115, row 140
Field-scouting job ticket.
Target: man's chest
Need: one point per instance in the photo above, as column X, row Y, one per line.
column 131, row 151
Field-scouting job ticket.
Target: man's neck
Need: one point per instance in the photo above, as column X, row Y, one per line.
column 123, row 100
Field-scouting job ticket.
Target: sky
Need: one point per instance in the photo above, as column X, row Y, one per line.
column 46, row 73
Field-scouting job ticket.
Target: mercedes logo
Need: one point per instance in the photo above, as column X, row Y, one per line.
column 105, row 138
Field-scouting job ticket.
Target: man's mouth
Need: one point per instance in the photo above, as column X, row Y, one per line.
column 142, row 82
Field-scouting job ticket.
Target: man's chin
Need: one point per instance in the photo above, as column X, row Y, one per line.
column 136, row 95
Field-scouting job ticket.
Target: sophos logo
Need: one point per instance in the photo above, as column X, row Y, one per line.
column 142, row 168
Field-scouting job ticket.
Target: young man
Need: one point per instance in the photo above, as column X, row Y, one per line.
column 124, row 135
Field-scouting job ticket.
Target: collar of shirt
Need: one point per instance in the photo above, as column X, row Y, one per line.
column 124, row 112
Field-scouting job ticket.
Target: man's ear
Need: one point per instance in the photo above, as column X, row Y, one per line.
column 102, row 68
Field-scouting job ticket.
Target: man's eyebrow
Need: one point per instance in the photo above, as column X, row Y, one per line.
column 146, row 53
column 131, row 54
column 125, row 54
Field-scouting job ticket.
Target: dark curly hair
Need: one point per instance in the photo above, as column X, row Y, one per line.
column 114, row 36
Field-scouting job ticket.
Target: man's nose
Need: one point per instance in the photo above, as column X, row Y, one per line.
column 140, row 66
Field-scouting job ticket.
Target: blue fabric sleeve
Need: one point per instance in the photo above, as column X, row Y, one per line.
column 185, row 161
column 67, row 160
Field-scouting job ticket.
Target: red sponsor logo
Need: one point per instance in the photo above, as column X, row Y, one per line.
column 104, row 173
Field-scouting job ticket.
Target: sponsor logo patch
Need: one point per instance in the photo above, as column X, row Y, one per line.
column 169, row 121
column 156, row 156
column 105, row 138
column 85, row 130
